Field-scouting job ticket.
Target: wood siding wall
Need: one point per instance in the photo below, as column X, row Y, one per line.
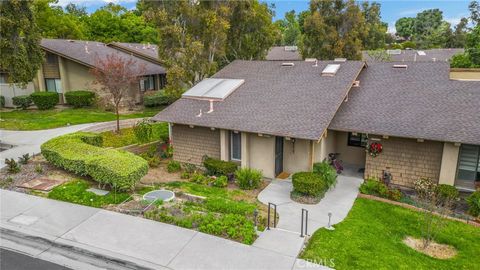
column 407, row 160
column 51, row 68
column 191, row 144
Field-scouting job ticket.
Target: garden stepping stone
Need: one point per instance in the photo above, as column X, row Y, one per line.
column 43, row 184
column 99, row 192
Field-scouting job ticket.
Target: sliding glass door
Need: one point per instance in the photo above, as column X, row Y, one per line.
column 468, row 166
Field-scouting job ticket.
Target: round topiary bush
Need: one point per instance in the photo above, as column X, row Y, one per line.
column 309, row 184
column 22, row 101
column 80, row 98
column 45, row 100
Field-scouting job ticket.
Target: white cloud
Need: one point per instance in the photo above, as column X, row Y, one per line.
column 453, row 21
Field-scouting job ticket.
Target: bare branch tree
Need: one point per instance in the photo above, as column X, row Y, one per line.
column 117, row 75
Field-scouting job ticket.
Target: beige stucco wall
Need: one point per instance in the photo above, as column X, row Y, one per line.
column 407, row 160
column 262, row 154
column 296, row 156
column 191, row 144
column 465, row 74
column 326, row 145
column 78, row 76
column 448, row 169
column 349, row 154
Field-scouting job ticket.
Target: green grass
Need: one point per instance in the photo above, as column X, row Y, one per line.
column 371, row 238
column 76, row 192
column 35, row 119
column 127, row 137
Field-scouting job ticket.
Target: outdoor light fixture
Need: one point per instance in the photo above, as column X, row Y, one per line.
column 329, row 227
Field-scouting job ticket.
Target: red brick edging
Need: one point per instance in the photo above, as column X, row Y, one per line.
column 408, row 206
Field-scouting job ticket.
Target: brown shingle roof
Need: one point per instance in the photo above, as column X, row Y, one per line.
column 75, row 50
column 287, row 101
column 431, row 55
column 279, row 53
column 417, row 102
column 146, row 50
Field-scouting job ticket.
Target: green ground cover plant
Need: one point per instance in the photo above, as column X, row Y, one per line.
column 127, row 136
column 371, row 238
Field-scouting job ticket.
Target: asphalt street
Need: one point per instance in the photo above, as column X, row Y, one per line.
column 10, row 260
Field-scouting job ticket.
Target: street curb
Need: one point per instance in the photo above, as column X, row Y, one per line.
column 115, row 260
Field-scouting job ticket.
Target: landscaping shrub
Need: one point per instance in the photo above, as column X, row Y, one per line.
column 157, row 98
column 220, row 181
column 173, row 166
column 143, row 131
column 248, row 178
column 474, row 204
column 24, row 158
column 81, row 153
column 44, row 100
column 309, row 184
column 199, row 178
column 446, row 193
column 219, row 167
column 80, row 98
column 185, row 175
column 22, row 101
column 12, row 165
column 76, row 192
column 2, row 101
column 373, row 186
column 327, row 172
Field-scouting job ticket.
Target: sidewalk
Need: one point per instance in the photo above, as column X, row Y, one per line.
column 147, row 243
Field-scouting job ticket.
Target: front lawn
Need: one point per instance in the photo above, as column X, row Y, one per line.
column 371, row 238
column 36, row 119
column 127, row 136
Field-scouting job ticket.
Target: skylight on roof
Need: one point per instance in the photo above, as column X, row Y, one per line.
column 392, row 52
column 213, row 89
column 291, row 48
column 422, row 53
column 330, row 70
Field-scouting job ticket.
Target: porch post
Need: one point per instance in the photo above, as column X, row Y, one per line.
column 448, row 169
column 245, row 154
column 224, row 146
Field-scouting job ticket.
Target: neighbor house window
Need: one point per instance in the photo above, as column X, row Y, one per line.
column 53, row 85
column 468, row 165
column 236, row 146
column 3, row 78
column 359, row 139
column 147, row 83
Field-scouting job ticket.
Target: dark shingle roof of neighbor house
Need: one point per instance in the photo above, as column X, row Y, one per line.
column 431, row 55
column 418, row 102
column 279, row 53
column 274, row 99
column 86, row 52
column 145, row 50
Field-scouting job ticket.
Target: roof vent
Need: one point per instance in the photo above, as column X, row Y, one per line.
column 310, row 59
column 330, row 70
column 400, row 66
column 392, row 52
column 288, row 64
column 291, row 48
column 71, row 40
column 340, row 60
column 421, row 53
column 356, row 84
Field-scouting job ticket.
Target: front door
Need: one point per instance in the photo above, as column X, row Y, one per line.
column 278, row 155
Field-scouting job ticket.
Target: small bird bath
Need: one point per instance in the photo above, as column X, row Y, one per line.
column 164, row 195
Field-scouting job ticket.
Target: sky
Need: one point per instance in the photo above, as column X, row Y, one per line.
column 392, row 10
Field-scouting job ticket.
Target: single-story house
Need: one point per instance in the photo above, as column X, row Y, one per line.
column 283, row 53
column 412, row 55
column 147, row 51
column 285, row 116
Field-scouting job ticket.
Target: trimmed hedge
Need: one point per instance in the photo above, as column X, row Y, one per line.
column 22, row 101
column 81, row 153
column 158, row 98
column 309, row 184
column 45, row 100
column 474, row 203
column 80, row 98
column 219, row 167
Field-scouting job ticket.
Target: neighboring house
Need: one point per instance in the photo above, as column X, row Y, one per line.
column 430, row 55
column 283, row 53
column 147, row 51
column 68, row 63
column 11, row 90
column 283, row 117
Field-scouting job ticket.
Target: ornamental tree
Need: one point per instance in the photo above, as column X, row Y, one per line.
column 117, row 75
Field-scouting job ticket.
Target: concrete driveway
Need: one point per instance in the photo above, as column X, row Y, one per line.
column 30, row 141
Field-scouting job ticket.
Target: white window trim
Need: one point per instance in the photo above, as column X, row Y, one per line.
column 231, row 146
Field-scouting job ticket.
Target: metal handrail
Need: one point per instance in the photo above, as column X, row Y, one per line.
column 304, row 216
column 274, row 215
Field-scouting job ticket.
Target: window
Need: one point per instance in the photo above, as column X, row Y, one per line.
column 235, row 146
column 359, row 140
column 468, row 165
column 3, row 78
column 53, row 85
column 147, row 83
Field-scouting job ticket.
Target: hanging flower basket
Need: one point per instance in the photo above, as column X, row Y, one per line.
column 374, row 149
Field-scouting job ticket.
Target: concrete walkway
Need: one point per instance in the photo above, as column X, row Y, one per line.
column 338, row 201
column 147, row 243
